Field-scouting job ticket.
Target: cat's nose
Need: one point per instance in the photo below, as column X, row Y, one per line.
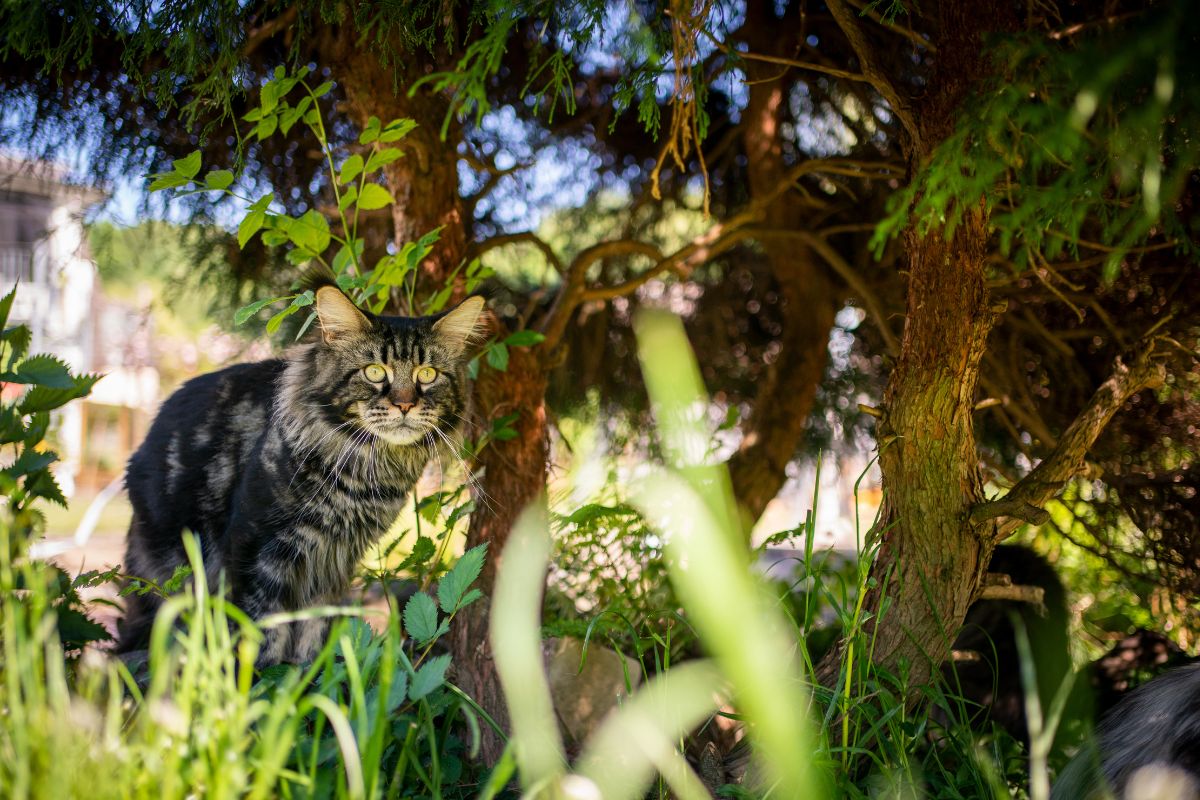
column 404, row 407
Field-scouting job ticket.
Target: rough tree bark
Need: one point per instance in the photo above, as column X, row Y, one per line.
column 937, row 533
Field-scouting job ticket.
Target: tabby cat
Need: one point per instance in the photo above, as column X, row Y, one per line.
column 289, row 469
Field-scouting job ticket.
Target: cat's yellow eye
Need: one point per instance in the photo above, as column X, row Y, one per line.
column 424, row 374
column 374, row 373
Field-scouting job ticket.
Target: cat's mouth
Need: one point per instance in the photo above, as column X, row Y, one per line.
column 399, row 431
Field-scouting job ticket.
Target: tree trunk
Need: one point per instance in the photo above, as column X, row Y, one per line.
column 785, row 400
column 932, row 559
column 514, row 475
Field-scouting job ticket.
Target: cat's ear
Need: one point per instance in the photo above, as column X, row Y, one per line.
column 463, row 325
column 338, row 317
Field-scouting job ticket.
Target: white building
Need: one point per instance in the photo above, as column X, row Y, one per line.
column 43, row 246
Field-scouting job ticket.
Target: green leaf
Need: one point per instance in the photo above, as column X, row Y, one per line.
column 250, row 226
column 374, row 196
column 45, row 370
column 289, row 118
column 429, row 677
column 504, row 434
column 44, row 485
column 253, row 115
column 44, row 398
column 219, row 179
column 300, row 256
column 17, row 338
column 497, row 356
column 274, row 322
column 421, row 618
column 168, row 180
column 189, row 165
column 398, row 690
column 397, row 129
column 6, row 306
column 371, row 132
column 524, row 338
column 382, row 157
column 323, row 89
column 247, row 311
column 351, row 167
column 345, row 256
column 274, row 238
column 423, row 550
column 303, row 299
column 348, row 198
column 30, row 461
column 266, row 127
column 268, row 96
column 76, row 630
column 311, row 231
column 263, row 202
column 455, row 583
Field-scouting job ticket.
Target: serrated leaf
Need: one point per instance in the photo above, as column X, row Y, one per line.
column 6, row 306
column 289, row 118
column 469, row 597
column 397, row 129
column 303, row 299
column 274, row 322
column 247, row 311
column 374, row 196
column 75, row 629
column 45, row 370
column 430, row 676
column 17, row 338
column 266, row 127
column 274, row 238
column 345, row 257
column 189, row 165
column 30, row 461
column 263, row 202
column 454, row 584
column 348, row 198
column 421, row 618
column 219, row 179
column 168, row 180
column 524, row 338
column 268, row 96
column 351, row 168
column 371, row 132
column 497, row 357
column 383, row 157
column 423, row 550
column 250, row 225
column 253, row 115
column 44, row 398
column 311, row 231
column 44, row 485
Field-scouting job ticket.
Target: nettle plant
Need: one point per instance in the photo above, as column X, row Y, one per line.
column 42, row 384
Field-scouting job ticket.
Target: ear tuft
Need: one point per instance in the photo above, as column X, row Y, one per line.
column 338, row 317
column 463, row 325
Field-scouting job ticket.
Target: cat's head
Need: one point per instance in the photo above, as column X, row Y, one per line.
column 400, row 378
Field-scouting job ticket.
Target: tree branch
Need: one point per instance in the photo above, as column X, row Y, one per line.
column 262, row 33
column 848, row 274
column 862, row 48
column 522, row 237
column 1067, row 459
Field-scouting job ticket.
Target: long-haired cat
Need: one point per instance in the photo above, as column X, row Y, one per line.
column 288, row 469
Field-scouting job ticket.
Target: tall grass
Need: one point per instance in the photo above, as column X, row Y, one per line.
column 371, row 717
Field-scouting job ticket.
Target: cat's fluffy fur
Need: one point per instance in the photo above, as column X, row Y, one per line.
column 289, row 469
column 1147, row 746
